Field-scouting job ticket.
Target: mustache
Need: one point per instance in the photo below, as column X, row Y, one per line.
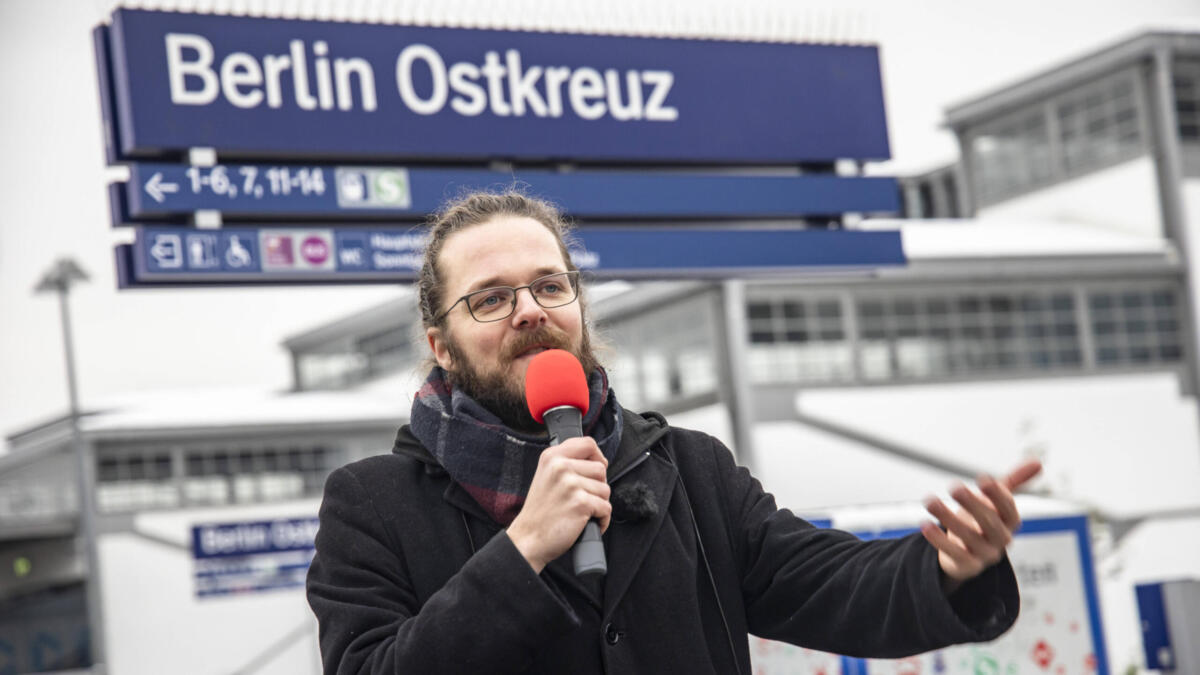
column 545, row 336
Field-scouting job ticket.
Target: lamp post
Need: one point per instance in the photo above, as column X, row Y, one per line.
column 61, row 276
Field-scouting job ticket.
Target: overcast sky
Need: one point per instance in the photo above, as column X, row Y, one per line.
column 52, row 174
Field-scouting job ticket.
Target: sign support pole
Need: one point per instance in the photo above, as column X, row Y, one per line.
column 737, row 391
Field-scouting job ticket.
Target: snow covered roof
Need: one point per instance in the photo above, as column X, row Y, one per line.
column 1140, row 44
column 222, row 408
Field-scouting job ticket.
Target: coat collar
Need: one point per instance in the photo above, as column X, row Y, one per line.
column 626, row 543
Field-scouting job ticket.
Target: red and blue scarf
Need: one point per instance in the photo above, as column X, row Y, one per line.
column 493, row 463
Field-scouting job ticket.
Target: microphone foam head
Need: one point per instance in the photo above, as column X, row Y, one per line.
column 555, row 378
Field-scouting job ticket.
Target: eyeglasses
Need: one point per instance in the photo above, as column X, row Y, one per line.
column 499, row 302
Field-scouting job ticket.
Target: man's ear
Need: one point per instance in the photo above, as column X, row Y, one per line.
column 437, row 344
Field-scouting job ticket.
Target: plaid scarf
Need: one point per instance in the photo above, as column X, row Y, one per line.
column 493, row 463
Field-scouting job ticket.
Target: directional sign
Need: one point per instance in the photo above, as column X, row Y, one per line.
column 220, row 540
column 166, row 191
column 256, row 87
column 248, row 557
column 167, row 255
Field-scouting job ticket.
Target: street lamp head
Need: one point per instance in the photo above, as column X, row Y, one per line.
column 63, row 274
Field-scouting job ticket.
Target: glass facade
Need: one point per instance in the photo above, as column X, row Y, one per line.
column 898, row 335
column 1012, row 156
column 1083, row 129
column 1098, row 125
column 798, row 339
column 1136, row 327
column 349, row 361
column 668, row 354
column 134, row 479
column 1187, row 98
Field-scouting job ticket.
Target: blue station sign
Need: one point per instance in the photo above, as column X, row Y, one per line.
column 157, row 191
column 332, row 254
column 257, row 87
column 250, row 557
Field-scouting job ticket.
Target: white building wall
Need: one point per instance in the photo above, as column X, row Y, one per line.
column 1122, row 198
column 1126, row 444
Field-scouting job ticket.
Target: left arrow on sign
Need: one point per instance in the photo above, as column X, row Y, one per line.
column 155, row 187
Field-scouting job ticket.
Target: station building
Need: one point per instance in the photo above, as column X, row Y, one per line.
column 1048, row 309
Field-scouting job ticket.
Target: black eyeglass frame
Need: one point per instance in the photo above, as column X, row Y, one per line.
column 572, row 277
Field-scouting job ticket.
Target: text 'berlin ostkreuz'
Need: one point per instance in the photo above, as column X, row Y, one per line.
column 505, row 87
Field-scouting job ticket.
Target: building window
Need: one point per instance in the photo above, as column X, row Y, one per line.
column 132, row 480
column 801, row 339
column 387, row 351
column 1099, row 125
column 330, row 370
column 950, row 184
column 921, row 335
column 1012, row 157
column 1094, row 126
column 1136, row 327
column 1187, row 98
column 349, row 361
column 962, row 334
column 925, row 195
column 228, row 475
column 664, row 356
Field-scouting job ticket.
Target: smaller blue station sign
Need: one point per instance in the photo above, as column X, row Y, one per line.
column 165, row 191
column 232, row 558
column 328, row 254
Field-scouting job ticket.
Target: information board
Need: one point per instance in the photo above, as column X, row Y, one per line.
column 258, row 87
column 681, row 157
column 248, row 557
column 334, row 254
column 157, row 191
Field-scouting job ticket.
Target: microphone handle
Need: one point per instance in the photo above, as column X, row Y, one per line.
column 566, row 422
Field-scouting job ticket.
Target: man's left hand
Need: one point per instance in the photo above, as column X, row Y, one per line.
column 977, row 534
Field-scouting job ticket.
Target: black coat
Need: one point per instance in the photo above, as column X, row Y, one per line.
column 411, row 576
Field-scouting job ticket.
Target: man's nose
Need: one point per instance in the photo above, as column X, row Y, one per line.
column 527, row 312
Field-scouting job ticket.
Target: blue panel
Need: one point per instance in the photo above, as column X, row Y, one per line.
column 674, row 252
column 318, row 254
column 1156, row 634
column 101, row 48
column 1079, row 525
column 118, row 205
column 123, row 256
column 285, row 88
column 156, row 191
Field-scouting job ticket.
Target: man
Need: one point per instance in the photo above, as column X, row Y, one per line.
column 447, row 555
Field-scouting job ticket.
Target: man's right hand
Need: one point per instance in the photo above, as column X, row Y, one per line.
column 569, row 488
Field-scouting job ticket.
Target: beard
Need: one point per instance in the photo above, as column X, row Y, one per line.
column 496, row 391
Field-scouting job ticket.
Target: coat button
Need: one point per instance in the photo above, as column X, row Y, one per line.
column 611, row 635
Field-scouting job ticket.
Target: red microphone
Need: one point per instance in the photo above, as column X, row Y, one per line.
column 556, row 392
